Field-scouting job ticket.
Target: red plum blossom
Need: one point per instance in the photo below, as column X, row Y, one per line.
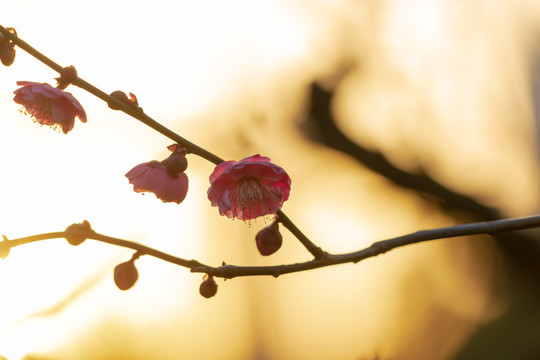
column 248, row 188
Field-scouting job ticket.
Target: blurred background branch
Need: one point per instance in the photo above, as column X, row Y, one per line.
column 521, row 249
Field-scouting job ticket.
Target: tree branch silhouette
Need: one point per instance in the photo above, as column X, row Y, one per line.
column 420, row 183
column 228, row 271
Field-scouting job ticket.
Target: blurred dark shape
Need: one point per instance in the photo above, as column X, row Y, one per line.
column 320, row 127
column 520, row 249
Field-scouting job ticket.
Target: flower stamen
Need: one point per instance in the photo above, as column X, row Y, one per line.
column 252, row 196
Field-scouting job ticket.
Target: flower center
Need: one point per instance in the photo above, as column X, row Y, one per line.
column 41, row 112
column 252, row 198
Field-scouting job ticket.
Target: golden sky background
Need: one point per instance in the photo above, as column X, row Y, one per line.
column 445, row 86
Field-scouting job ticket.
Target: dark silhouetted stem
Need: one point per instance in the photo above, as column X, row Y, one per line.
column 308, row 244
column 323, row 260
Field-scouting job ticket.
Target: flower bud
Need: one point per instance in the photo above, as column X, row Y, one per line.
column 7, row 48
column 126, row 274
column 4, row 247
column 7, row 53
column 122, row 97
column 75, row 234
column 67, row 76
column 208, row 287
column 269, row 239
column 176, row 162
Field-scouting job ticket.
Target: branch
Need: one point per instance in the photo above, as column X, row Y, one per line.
column 82, row 232
column 377, row 248
column 231, row 271
column 137, row 113
column 320, row 126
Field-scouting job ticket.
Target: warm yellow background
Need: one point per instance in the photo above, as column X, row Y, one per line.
column 445, row 85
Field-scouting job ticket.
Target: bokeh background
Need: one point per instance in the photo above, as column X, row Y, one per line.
column 390, row 116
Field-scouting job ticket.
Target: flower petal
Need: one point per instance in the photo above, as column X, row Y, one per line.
column 63, row 114
column 219, row 169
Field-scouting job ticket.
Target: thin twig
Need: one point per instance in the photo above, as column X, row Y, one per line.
column 315, row 250
column 377, row 248
column 139, row 248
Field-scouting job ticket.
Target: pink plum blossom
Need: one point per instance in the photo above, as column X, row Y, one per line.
column 166, row 179
column 154, row 177
column 248, row 188
column 48, row 105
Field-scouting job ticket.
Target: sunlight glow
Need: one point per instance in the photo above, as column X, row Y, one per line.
column 428, row 87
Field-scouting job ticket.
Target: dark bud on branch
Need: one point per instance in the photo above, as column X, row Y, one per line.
column 177, row 162
column 269, row 239
column 208, row 287
column 123, row 98
column 7, row 54
column 75, row 234
column 5, row 247
column 126, row 274
column 67, row 76
column 7, row 49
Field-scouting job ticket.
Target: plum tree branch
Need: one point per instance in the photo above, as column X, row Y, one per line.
column 137, row 113
column 326, row 259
